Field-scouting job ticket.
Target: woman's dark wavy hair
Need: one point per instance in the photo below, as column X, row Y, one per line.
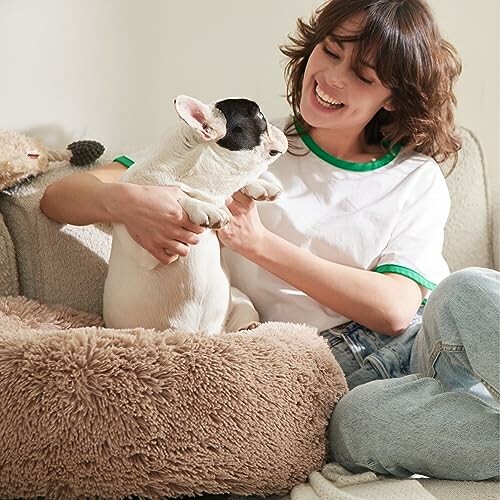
column 401, row 39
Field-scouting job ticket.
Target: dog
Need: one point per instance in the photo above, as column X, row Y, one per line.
column 218, row 149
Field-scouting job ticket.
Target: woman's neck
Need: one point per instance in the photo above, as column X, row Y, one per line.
column 345, row 144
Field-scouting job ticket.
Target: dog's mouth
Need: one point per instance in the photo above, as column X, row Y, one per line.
column 275, row 152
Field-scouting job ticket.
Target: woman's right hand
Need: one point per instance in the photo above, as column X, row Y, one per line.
column 155, row 219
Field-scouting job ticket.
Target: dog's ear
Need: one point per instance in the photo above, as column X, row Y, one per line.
column 208, row 121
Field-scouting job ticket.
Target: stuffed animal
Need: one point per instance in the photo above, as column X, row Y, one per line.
column 22, row 156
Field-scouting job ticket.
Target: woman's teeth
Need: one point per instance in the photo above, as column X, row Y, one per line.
column 325, row 100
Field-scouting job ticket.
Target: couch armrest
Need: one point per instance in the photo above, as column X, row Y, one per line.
column 57, row 264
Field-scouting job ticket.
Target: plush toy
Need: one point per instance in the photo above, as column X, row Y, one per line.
column 22, row 156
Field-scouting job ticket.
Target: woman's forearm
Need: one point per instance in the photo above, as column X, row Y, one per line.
column 152, row 215
column 383, row 302
column 81, row 199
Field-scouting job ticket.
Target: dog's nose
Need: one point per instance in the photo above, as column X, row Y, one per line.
column 274, row 152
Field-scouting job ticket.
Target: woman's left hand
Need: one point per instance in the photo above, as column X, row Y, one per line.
column 245, row 233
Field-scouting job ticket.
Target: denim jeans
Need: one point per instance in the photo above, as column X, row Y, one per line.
column 443, row 418
column 365, row 355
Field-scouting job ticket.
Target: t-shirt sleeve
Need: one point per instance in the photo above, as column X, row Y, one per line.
column 415, row 248
column 124, row 160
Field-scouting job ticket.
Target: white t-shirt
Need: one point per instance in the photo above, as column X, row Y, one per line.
column 386, row 216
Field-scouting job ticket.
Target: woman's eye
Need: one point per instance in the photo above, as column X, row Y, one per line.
column 330, row 54
column 365, row 80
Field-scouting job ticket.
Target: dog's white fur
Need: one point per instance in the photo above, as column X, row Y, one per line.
column 193, row 293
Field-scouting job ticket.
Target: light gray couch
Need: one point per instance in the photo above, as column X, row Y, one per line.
column 64, row 264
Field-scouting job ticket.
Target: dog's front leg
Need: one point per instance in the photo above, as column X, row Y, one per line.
column 262, row 190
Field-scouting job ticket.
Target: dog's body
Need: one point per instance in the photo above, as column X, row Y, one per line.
column 222, row 148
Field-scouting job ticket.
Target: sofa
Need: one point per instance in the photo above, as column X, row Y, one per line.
column 65, row 264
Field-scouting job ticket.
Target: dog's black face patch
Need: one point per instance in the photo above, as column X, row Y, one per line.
column 244, row 124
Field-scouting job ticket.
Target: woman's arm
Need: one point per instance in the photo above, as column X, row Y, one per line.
column 151, row 214
column 385, row 303
column 85, row 198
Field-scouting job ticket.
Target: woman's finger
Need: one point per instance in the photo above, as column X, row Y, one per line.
column 190, row 226
column 161, row 256
column 186, row 237
column 175, row 247
column 243, row 199
column 233, row 206
column 240, row 204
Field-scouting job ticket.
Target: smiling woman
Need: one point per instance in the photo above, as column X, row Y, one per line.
column 397, row 83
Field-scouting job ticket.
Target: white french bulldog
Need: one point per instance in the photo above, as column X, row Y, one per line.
column 220, row 148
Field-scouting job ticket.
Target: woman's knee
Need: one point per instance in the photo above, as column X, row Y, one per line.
column 358, row 431
column 464, row 291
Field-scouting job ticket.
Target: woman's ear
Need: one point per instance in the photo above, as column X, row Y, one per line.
column 388, row 105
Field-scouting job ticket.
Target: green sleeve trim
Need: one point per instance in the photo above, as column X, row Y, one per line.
column 124, row 160
column 409, row 273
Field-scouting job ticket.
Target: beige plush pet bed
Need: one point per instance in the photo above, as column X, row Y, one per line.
column 87, row 411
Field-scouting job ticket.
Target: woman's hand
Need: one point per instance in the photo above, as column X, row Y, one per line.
column 245, row 233
column 155, row 219
column 151, row 214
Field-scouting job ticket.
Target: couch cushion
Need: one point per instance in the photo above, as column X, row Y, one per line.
column 468, row 233
column 8, row 269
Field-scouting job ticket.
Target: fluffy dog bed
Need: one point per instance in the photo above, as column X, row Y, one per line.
column 87, row 411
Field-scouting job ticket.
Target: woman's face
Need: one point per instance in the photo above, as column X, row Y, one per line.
column 334, row 94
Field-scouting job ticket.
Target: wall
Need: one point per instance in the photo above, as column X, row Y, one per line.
column 109, row 69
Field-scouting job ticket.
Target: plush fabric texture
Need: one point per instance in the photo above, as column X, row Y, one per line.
column 44, row 248
column 334, row 482
column 462, row 490
column 9, row 284
column 15, row 164
column 469, row 230
column 93, row 411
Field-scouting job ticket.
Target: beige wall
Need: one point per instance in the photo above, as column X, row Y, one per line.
column 473, row 27
column 109, row 69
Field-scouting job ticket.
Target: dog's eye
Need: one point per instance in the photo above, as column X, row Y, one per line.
column 237, row 129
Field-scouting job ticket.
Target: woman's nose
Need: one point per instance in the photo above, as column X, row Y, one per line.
column 336, row 80
column 337, row 76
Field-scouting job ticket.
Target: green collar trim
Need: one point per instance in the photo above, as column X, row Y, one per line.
column 344, row 164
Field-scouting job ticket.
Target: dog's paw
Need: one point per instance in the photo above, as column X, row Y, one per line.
column 262, row 190
column 205, row 214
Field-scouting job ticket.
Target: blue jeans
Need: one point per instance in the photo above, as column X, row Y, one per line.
column 443, row 418
column 365, row 355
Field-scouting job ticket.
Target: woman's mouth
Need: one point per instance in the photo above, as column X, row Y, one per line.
column 325, row 100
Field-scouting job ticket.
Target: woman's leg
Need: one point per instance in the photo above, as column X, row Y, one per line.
column 459, row 343
column 444, row 424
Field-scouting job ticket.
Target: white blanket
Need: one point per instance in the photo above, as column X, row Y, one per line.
column 336, row 483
